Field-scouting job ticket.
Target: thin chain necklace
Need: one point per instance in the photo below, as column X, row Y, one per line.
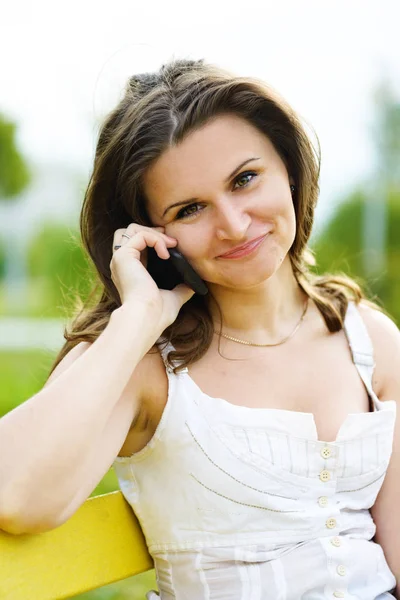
column 228, row 337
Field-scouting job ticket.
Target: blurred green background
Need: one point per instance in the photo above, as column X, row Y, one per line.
column 361, row 238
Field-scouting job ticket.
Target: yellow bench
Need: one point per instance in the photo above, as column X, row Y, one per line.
column 101, row 543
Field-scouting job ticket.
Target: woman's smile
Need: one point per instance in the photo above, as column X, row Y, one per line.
column 244, row 250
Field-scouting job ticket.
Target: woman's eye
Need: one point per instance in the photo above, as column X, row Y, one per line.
column 187, row 211
column 241, row 181
column 245, row 178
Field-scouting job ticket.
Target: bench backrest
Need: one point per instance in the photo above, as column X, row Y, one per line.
column 101, row 543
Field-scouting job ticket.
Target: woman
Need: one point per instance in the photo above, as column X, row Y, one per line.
column 254, row 435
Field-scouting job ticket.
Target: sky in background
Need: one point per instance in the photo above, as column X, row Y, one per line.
column 64, row 64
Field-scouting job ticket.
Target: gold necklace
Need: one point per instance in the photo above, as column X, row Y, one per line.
column 228, row 337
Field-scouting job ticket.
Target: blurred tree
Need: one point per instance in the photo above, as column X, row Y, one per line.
column 2, row 259
column 57, row 261
column 386, row 135
column 363, row 237
column 14, row 173
column 14, row 178
column 340, row 248
column 386, row 177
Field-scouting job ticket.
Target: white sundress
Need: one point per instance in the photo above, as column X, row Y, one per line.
column 241, row 503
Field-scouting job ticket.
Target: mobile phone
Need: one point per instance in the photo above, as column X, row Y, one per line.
column 170, row 272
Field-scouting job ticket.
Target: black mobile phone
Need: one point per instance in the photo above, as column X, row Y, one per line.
column 167, row 273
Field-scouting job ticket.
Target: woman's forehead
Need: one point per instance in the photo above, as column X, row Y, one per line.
column 206, row 156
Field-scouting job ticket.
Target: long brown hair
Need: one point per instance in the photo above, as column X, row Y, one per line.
column 158, row 110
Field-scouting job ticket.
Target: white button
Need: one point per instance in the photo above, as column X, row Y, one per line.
column 326, row 452
column 336, row 541
column 341, row 570
column 331, row 523
column 324, row 475
column 338, row 594
column 323, row 501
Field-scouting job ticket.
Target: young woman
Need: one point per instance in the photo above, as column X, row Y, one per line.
column 253, row 428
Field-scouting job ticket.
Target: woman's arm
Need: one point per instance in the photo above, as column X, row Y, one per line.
column 386, row 383
column 56, row 446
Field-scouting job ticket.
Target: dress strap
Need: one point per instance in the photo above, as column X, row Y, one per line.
column 165, row 348
column 361, row 347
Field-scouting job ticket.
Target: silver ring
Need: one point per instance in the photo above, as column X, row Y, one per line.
column 126, row 235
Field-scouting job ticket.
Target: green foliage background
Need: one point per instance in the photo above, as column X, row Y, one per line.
column 59, row 268
column 339, row 248
column 14, row 172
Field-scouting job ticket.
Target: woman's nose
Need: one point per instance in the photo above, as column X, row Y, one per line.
column 232, row 222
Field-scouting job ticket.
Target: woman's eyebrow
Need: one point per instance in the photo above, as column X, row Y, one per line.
column 226, row 181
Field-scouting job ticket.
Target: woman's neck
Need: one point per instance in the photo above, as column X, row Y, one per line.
column 262, row 314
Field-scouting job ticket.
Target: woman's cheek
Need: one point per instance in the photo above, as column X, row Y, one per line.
column 195, row 250
column 190, row 240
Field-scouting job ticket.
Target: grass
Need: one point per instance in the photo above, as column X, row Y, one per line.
column 23, row 374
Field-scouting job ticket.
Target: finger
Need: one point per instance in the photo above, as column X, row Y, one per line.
column 122, row 236
column 116, row 243
column 182, row 293
column 148, row 239
column 135, row 227
column 128, row 233
column 118, row 240
column 141, row 240
column 162, row 230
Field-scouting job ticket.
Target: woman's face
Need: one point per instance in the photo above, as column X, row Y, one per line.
column 232, row 187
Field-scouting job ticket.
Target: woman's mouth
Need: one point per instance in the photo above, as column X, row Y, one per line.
column 244, row 250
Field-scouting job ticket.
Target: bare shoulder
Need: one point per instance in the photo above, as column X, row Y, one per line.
column 383, row 331
column 385, row 337
column 150, row 383
column 153, row 377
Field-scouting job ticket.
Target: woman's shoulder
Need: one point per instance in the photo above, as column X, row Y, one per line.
column 380, row 326
column 154, row 368
column 385, row 338
column 154, row 374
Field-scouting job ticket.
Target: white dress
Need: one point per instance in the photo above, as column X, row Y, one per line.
column 242, row 503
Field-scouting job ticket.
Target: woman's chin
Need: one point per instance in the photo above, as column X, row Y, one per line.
column 244, row 278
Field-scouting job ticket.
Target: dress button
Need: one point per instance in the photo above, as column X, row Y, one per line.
column 326, row 452
column 323, row 501
column 336, row 541
column 341, row 570
column 331, row 523
column 324, row 475
column 338, row 594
